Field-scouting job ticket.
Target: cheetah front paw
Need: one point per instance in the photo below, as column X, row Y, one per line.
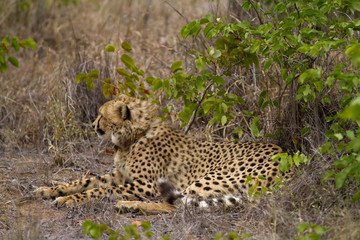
column 46, row 192
column 66, row 201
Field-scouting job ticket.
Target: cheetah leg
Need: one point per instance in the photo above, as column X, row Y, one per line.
column 129, row 191
column 108, row 180
column 145, row 207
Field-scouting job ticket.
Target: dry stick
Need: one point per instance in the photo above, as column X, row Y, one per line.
column 197, row 108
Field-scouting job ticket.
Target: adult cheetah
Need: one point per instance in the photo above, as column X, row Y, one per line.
column 151, row 158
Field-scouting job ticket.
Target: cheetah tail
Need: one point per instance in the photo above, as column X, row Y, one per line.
column 170, row 195
column 168, row 192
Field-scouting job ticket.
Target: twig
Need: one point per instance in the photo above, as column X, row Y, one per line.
column 258, row 15
column 187, row 21
column 252, row 67
column 32, row 101
column 197, row 108
column 299, row 16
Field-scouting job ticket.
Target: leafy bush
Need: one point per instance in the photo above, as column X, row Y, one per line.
column 14, row 43
column 309, row 231
column 130, row 231
column 293, row 39
column 96, row 231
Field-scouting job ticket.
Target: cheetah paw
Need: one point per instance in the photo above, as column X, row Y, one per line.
column 64, row 201
column 45, row 192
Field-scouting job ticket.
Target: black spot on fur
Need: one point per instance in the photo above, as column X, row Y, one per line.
column 87, row 183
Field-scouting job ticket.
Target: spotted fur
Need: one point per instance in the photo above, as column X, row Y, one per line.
column 148, row 151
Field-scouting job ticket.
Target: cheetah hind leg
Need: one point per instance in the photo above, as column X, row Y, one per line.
column 145, row 207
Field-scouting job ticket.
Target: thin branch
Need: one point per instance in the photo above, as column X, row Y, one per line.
column 257, row 13
column 299, row 16
column 187, row 21
column 197, row 108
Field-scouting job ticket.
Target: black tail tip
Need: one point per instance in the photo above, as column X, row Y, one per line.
column 167, row 191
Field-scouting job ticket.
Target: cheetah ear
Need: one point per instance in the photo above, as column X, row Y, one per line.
column 123, row 110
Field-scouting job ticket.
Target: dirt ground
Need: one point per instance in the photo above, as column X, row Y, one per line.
column 22, row 216
column 25, row 217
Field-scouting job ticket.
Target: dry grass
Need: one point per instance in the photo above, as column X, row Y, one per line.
column 45, row 117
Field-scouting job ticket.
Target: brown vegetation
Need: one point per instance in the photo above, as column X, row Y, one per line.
column 45, row 118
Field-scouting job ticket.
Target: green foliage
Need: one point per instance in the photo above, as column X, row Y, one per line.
column 14, row 43
column 66, row 2
column 255, row 190
column 347, row 143
column 232, row 236
column 130, row 231
column 96, row 231
column 309, row 231
column 287, row 161
column 88, row 78
column 294, row 41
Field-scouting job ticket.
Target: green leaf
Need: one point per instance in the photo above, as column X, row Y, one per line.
column 128, row 61
column 338, row 136
column 13, row 61
column 126, row 46
column 157, row 83
column 284, row 164
column 340, row 178
column 356, row 196
column 123, row 72
column 328, row 175
column 200, row 64
column 223, row 120
column 268, row 63
column 319, row 230
column 150, row 80
column 149, row 234
column 233, row 235
column 246, row 5
column 239, row 131
column 15, row 43
column 93, row 74
column 219, row 80
column 254, row 127
column 80, row 77
column 145, row 225
column 207, row 29
column 262, row 177
column 111, row 48
column 30, row 43
column 301, row 227
column 284, row 73
column 305, row 130
column 107, row 89
column 352, row 111
column 303, row 77
column 176, row 66
column 90, row 83
column 86, row 226
column 165, row 237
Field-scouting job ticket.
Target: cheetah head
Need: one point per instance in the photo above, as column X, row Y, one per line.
column 124, row 119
